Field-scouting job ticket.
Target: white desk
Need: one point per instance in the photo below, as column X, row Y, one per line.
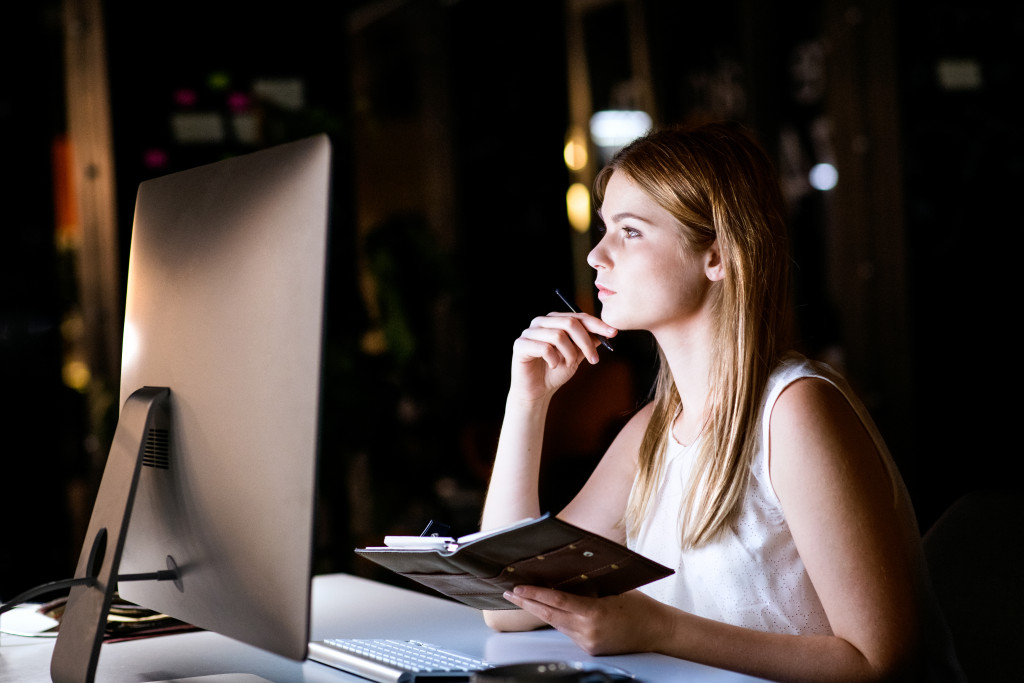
column 343, row 607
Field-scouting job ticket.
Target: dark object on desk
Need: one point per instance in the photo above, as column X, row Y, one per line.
column 551, row 672
column 476, row 570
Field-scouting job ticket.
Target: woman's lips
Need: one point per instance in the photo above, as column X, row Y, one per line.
column 603, row 291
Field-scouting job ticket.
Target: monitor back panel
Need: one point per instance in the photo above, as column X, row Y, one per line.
column 225, row 307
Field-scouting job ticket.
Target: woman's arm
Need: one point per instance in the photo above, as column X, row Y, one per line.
column 544, row 358
column 855, row 533
column 635, row 622
column 852, row 523
column 598, row 507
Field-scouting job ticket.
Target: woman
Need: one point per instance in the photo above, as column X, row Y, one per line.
column 755, row 473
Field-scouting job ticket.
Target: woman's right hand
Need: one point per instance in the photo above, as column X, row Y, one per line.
column 547, row 354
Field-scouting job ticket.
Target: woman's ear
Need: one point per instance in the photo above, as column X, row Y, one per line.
column 714, row 267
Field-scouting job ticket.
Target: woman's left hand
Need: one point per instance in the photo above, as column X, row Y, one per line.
column 631, row 622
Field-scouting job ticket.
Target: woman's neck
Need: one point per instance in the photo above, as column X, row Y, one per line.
column 688, row 354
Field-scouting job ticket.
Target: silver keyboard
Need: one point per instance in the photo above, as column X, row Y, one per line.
column 394, row 661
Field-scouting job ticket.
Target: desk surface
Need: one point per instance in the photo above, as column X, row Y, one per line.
column 343, row 607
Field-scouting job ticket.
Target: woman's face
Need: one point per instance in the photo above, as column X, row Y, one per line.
column 645, row 278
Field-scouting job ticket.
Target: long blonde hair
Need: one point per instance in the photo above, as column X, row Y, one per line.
column 719, row 185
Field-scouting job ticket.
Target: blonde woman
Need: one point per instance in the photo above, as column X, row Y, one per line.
column 753, row 472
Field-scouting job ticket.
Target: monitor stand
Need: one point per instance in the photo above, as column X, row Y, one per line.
column 144, row 420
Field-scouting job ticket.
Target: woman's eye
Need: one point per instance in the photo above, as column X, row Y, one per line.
column 631, row 233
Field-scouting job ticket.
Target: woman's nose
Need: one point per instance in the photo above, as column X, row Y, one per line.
column 598, row 256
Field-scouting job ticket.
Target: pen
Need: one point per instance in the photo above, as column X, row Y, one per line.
column 604, row 340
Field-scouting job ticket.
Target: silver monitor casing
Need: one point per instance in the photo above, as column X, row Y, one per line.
column 224, row 307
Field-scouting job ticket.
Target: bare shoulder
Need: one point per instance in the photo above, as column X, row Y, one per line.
column 817, row 438
column 815, row 404
column 849, row 517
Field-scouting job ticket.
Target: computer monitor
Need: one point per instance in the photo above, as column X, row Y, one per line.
column 211, row 476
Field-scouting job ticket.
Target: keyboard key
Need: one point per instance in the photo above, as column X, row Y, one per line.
column 394, row 661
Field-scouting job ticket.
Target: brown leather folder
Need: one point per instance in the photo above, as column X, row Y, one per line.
column 546, row 551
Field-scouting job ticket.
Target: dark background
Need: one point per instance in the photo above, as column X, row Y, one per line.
column 448, row 119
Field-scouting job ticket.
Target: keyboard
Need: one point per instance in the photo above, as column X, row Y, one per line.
column 394, row 661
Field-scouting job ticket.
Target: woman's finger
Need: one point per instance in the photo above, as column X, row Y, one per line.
column 575, row 328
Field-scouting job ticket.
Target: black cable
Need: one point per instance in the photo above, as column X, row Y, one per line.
column 161, row 575
column 46, row 588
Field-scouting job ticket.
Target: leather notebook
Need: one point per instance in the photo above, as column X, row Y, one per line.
column 545, row 551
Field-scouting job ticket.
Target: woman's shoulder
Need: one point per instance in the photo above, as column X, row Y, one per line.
column 794, row 365
column 810, row 397
column 812, row 409
column 811, row 376
column 801, row 388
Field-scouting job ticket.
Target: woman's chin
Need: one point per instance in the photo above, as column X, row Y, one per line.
column 619, row 322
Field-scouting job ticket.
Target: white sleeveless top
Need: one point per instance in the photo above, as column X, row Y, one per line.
column 751, row 575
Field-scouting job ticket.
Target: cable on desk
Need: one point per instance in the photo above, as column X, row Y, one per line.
column 44, row 589
column 161, row 575
column 37, row 591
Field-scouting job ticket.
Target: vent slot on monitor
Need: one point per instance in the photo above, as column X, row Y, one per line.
column 157, row 450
